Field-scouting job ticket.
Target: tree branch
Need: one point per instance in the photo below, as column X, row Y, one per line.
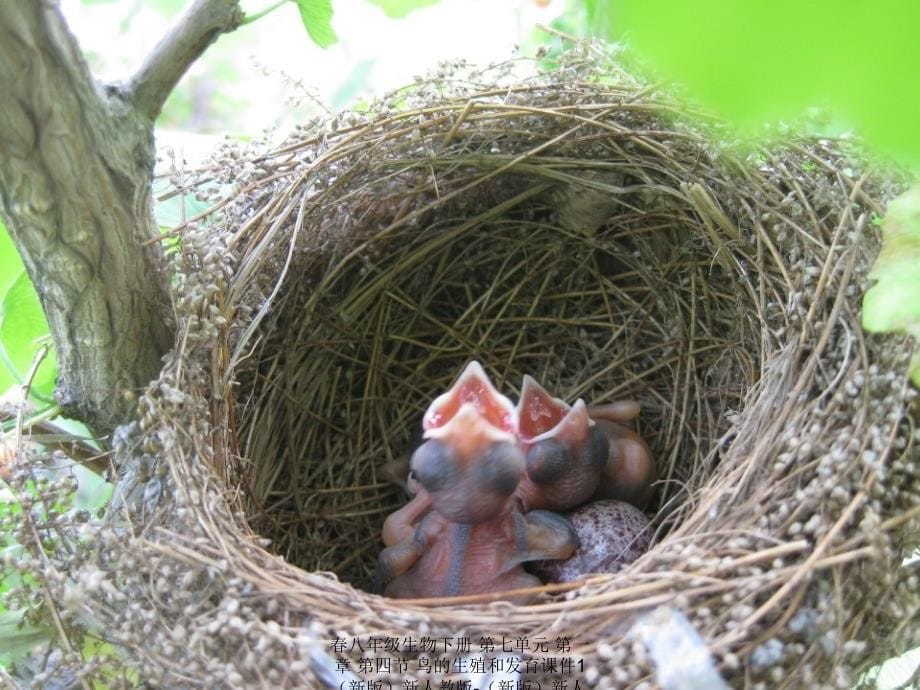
column 202, row 22
column 76, row 164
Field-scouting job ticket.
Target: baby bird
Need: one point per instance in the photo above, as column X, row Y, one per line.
column 565, row 452
column 463, row 532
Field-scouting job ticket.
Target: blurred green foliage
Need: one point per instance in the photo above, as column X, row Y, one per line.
column 23, row 328
column 760, row 61
column 893, row 303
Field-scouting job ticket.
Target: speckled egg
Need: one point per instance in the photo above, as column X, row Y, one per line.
column 612, row 535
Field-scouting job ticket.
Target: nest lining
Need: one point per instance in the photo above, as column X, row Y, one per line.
column 578, row 230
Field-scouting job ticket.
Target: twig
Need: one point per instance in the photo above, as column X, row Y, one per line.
column 24, row 392
column 255, row 16
column 49, row 434
column 202, row 22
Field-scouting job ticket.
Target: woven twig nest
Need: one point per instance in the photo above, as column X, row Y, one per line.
column 574, row 228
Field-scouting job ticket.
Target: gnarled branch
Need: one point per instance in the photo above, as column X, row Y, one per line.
column 200, row 25
column 76, row 164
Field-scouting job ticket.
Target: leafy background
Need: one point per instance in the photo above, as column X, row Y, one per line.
column 855, row 63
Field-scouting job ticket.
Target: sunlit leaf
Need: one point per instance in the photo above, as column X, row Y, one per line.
column 176, row 209
column 597, row 16
column 759, row 61
column 22, row 324
column 317, row 19
column 22, row 329
column 893, row 303
column 400, row 8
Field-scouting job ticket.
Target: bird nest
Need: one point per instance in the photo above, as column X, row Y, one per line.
column 575, row 227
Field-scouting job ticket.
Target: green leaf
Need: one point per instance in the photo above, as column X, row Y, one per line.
column 893, row 303
column 759, row 61
column 22, row 325
column 317, row 18
column 174, row 210
column 597, row 16
column 22, row 328
column 18, row 639
column 397, row 9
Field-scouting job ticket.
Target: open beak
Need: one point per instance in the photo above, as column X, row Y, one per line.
column 564, row 452
column 470, row 467
column 469, row 433
column 473, row 387
column 541, row 416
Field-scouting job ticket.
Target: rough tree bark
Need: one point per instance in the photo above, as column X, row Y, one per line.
column 76, row 165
